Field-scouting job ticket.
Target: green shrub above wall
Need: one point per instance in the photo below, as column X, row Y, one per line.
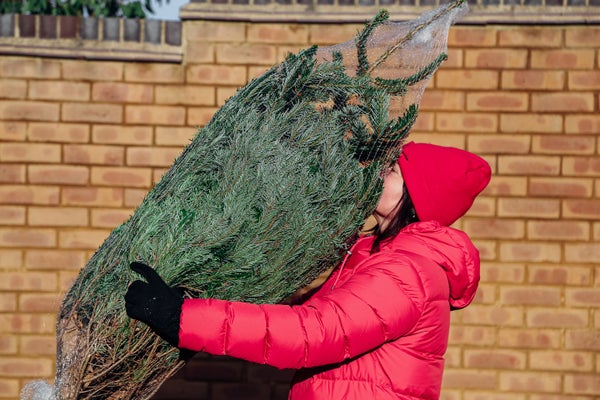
column 98, row 8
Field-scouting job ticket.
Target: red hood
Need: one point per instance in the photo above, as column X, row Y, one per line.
column 451, row 249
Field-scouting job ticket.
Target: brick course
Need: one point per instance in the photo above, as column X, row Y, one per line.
column 82, row 142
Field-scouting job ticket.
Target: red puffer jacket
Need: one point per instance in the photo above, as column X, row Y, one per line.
column 377, row 329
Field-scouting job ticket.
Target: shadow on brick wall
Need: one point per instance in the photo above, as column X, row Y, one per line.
column 208, row 377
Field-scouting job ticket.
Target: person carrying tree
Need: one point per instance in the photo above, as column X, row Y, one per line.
column 378, row 327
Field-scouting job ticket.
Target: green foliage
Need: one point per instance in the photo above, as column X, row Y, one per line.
column 97, row 8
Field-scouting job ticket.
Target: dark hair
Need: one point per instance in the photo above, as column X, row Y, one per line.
column 405, row 215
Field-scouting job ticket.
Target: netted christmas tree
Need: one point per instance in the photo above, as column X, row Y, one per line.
column 266, row 197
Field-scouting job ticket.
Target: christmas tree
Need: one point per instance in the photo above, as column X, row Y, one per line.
column 266, row 197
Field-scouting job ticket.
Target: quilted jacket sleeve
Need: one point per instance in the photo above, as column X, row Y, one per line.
column 380, row 302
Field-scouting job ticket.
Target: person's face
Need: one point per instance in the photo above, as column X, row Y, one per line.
column 391, row 195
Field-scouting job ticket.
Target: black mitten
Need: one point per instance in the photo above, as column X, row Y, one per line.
column 155, row 303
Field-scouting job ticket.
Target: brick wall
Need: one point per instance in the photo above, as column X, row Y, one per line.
column 82, row 141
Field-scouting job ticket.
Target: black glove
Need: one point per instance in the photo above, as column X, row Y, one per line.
column 155, row 303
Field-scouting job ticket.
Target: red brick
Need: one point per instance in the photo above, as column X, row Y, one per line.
column 58, row 132
column 489, row 228
column 284, row 51
column 12, row 131
column 183, row 95
column 483, row 395
column 328, row 34
column 530, row 252
column 499, row 144
column 21, row 194
column 217, row 75
column 28, row 281
column 495, row 58
column 506, row 186
column 531, row 123
column 12, row 173
column 562, row 230
column 118, row 134
column 564, row 145
column 584, row 80
column 562, row 274
column 29, row 111
column 492, row 315
column 583, row 339
column 155, row 115
column 94, row 154
column 85, row 239
column 109, row 218
column 200, row 116
column 533, row 381
column 118, row 92
column 581, row 166
column 58, row 174
column 37, row 345
column 246, row 53
column 495, row 359
column 29, row 67
column 586, row 384
column 256, row 71
column 27, row 237
column 560, row 187
column 582, row 36
column 8, row 302
column 12, row 215
column 467, row 122
column 582, row 253
column 87, row 112
column 582, row 297
column 502, row 272
column 10, row 388
column 533, row 79
column 152, row 156
column 10, row 259
column 13, row 89
column 529, row 165
column 530, row 37
column 530, row 296
column 134, row 197
column 277, row 33
column 199, row 52
column 582, row 124
column 586, row 209
column 54, row 260
column 472, row 335
column 213, row 31
column 121, row 177
column 92, row 70
column 59, row 90
column 30, row 152
column 442, row 100
column 174, row 136
column 27, row 323
column 153, row 73
column 557, row 318
column 8, row 345
column 469, row 379
column 57, row 216
column 40, row 302
column 566, row 59
column 529, row 338
column 26, row 367
column 467, row 79
column 92, row 196
column 469, row 36
column 562, row 102
column 487, row 249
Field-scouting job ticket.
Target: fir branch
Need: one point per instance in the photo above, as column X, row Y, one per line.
column 361, row 41
column 426, row 71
